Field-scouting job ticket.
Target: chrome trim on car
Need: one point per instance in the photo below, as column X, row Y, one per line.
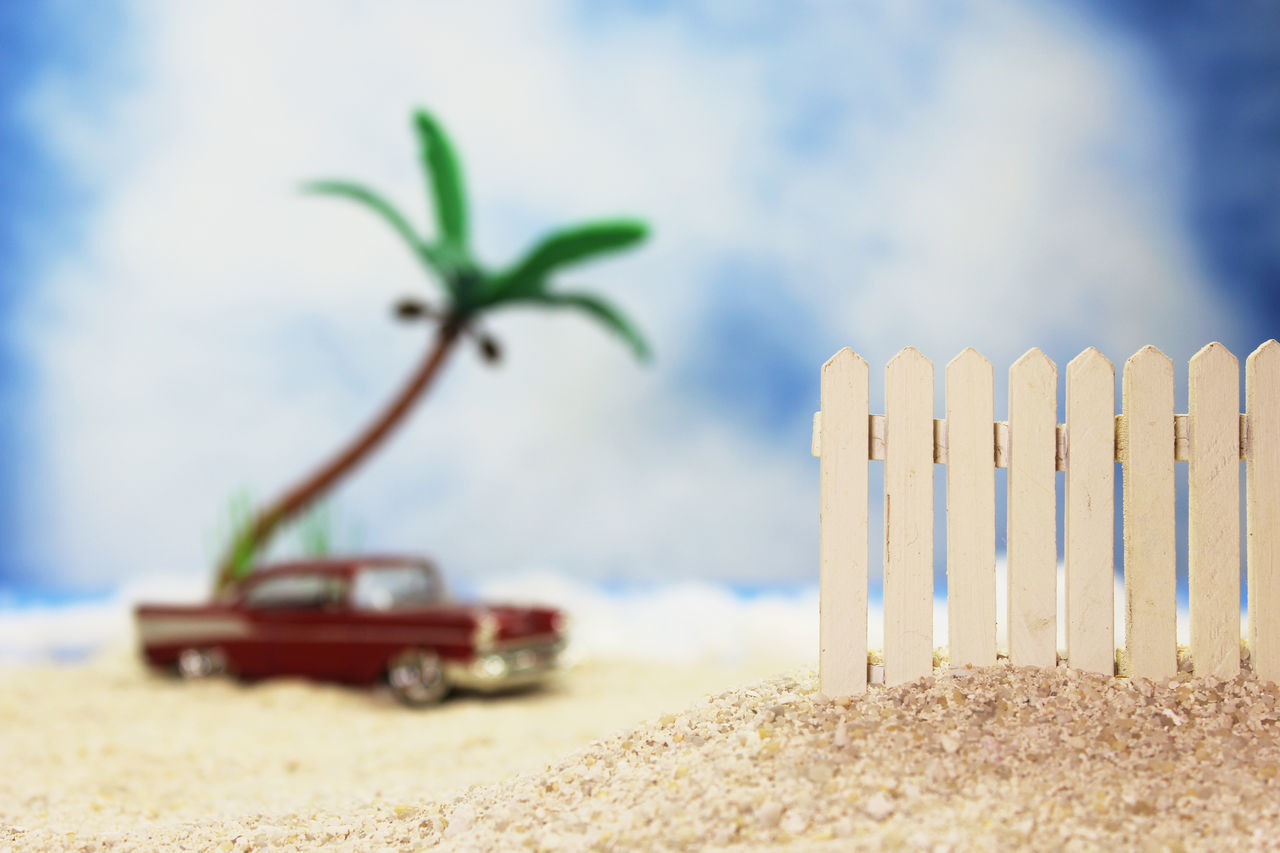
column 520, row 662
column 164, row 630
column 525, row 642
column 352, row 634
column 179, row 629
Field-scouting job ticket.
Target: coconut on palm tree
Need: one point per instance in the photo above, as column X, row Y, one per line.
column 467, row 291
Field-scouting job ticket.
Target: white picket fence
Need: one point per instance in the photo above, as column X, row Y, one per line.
column 1147, row 438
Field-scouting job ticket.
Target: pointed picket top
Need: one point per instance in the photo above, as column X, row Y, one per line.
column 1147, row 364
column 970, row 358
column 1090, row 365
column 1267, row 352
column 843, row 357
column 1213, row 354
column 844, row 376
column 1147, row 358
column 1034, row 362
column 1089, row 360
column 908, row 354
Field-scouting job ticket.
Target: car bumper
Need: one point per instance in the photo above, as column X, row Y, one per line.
column 506, row 668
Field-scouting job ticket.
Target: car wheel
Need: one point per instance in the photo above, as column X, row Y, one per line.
column 416, row 678
column 200, row 663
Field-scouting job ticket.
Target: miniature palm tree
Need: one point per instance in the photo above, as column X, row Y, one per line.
column 468, row 291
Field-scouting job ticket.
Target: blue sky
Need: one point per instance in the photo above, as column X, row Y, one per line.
column 181, row 324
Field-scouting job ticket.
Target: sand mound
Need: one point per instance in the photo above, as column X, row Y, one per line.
column 1003, row 758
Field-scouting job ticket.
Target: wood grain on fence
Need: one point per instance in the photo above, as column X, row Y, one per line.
column 1213, row 520
column 1147, row 438
column 1262, row 514
column 1090, row 512
column 971, row 511
column 1032, row 514
column 908, row 518
column 1150, row 560
column 842, row 447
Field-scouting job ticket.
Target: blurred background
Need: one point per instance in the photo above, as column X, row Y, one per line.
column 180, row 324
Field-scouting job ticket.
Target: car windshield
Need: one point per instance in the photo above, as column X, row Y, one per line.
column 394, row 587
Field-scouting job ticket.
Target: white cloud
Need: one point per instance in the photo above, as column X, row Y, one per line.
column 218, row 330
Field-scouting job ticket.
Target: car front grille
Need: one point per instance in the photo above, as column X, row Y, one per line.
column 531, row 658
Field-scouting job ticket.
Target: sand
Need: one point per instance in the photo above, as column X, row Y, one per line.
column 110, row 752
column 106, row 756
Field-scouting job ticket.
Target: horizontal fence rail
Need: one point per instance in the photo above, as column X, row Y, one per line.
column 1147, row 437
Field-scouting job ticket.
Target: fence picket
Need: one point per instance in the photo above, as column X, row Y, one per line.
column 1262, row 499
column 1032, row 514
column 971, row 507
column 1090, row 512
column 1150, row 561
column 842, row 446
column 1147, row 438
column 1213, row 520
column 908, row 518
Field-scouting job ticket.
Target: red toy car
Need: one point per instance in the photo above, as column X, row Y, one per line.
column 355, row 620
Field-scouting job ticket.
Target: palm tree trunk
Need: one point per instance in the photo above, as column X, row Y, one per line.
column 256, row 535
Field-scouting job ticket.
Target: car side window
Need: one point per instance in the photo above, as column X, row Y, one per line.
column 289, row 591
column 392, row 587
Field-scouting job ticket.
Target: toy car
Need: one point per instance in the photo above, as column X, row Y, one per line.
column 355, row 620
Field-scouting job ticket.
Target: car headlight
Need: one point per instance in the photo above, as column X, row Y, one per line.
column 489, row 666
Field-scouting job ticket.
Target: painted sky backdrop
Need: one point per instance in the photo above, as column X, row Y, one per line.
column 180, row 323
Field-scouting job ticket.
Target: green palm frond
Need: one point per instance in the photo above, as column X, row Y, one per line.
column 387, row 211
column 472, row 289
column 600, row 310
column 564, row 248
column 445, row 183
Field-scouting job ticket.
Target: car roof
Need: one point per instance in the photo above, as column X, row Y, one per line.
column 341, row 566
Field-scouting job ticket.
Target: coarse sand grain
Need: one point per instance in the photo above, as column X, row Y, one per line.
column 999, row 758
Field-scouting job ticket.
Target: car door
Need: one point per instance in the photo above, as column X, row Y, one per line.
column 298, row 623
